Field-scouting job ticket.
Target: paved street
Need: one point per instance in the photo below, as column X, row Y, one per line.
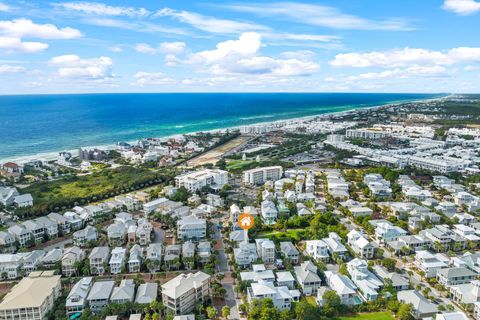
column 227, row 282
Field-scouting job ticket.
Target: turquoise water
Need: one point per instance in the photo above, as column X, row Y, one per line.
column 37, row 124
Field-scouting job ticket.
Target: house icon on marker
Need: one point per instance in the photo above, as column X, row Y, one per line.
column 245, row 221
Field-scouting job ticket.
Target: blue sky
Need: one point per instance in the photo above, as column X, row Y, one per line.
column 239, row 46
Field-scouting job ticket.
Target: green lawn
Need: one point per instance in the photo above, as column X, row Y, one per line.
column 238, row 164
column 369, row 316
column 294, row 234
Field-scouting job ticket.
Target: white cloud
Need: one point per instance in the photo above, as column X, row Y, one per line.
column 145, row 48
column 176, row 47
column 138, row 26
column 5, row 68
column 462, row 7
column 319, row 15
column 115, row 49
column 102, row 9
column 429, row 72
column 4, row 7
column 152, row 78
column 471, row 68
column 26, row 28
column 242, row 56
column 248, row 44
column 73, row 67
column 406, row 57
column 210, row 24
column 12, row 44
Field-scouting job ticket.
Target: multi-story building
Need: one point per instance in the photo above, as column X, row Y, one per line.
column 32, row 298
column 191, row 228
column 117, row 260
column 182, row 293
column 77, row 298
column 360, row 244
column 196, row 180
column 258, row 176
column 98, row 260
column 71, row 257
column 99, row 295
column 266, row 250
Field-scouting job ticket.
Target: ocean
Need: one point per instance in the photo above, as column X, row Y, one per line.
column 34, row 125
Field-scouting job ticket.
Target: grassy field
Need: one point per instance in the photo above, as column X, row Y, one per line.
column 238, row 164
column 369, row 316
column 294, row 234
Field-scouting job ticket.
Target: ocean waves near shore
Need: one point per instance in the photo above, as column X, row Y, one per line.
column 41, row 124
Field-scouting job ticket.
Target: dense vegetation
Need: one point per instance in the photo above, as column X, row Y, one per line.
column 79, row 190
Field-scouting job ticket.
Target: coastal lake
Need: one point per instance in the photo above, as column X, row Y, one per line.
column 39, row 124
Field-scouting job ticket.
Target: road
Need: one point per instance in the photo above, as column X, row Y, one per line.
column 227, row 281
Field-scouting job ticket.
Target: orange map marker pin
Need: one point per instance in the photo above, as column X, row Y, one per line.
column 245, row 221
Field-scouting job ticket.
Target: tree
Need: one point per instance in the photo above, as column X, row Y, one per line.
column 221, row 164
column 405, row 312
column 225, row 311
column 305, row 311
column 212, row 312
column 331, row 304
column 389, row 264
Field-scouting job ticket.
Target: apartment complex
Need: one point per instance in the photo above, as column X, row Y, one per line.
column 196, row 180
column 32, row 298
column 182, row 293
column 260, row 175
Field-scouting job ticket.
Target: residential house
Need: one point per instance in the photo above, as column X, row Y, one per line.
column 146, row 293
column 77, row 298
column 398, row 281
column 266, row 250
column 124, row 293
column 429, row 263
column 85, row 236
column 269, row 212
column 335, row 246
column 360, row 244
column 36, row 229
column 62, row 223
column 289, row 251
column 245, row 254
column 135, row 259
column 282, row 297
column 71, row 258
column 7, row 242
column 204, row 251
column 191, row 228
column 116, row 234
column 117, row 260
column 98, row 260
column 454, row 276
column 367, row 283
column 344, row 288
column 317, row 249
column 285, row 279
column 99, row 295
column 154, row 256
column 307, row 277
column 422, row 307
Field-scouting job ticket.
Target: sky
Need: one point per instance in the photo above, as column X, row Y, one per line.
column 239, row 46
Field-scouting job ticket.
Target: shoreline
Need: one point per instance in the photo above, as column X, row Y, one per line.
column 49, row 156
